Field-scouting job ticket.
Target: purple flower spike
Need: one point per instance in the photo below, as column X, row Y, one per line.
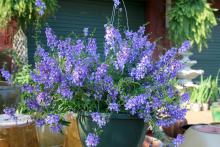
column 5, row 74
column 113, row 107
column 9, row 111
column 185, row 97
column 178, row 140
column 97, row 118
column 42, row 7
column 53, row 121
column 40, row 122
column 92, row 140
column 44, row 99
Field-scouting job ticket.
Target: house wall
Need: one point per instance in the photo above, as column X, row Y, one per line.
column 216, row 4
column 156, row 16
column 6, row 40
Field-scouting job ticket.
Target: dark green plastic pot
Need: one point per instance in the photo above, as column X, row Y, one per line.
column 122, row 130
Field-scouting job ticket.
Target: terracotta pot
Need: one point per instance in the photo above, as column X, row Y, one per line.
column 49, row 139
column 72, row 138
column 151, row 142
column 17, row 133
column 175, row 129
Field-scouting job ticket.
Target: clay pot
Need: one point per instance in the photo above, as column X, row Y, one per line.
column 175, row 129
column 72, row 138
column 49, row 139
column 17, row 133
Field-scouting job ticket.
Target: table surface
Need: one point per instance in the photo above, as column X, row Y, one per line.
column 199, row 117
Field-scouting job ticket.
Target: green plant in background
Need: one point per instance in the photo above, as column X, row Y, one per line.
column 192, row 20
column 24, row 11
column 215, row 91
column 206, row 91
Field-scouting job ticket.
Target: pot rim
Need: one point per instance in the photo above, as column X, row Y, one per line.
column 123, row 116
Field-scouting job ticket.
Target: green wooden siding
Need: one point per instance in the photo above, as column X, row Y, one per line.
column 209, row 59
column 74, row 15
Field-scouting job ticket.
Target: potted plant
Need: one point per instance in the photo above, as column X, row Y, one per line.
column 116, row 98
column 206, row 89
column 200, row 96
column 195, row 102
column 116, row 95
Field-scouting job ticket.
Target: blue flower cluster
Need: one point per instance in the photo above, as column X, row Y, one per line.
column 178, row 140
column 9, row 111
column 42, row 7
column 72, row 70
column 129, row 80
column 5, row 74
column 92, row 140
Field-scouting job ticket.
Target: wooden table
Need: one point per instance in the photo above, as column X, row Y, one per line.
column 199, row 117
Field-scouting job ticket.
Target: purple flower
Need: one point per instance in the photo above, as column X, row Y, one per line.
column 32, row 104
column 156, row 103
column 122, row 57
column 139, row 105
column 55, row 128
column 53, row 121
column 9, row 111
column 186, row 45
column 112, row 37
column 65, row 91
column 171, row 114
column 100, row 72
column 5, row 74
column 97, row 118
column 170, row 92
column 44, row 99
column 79, row 74
column 47, row 72
column 52, row 41
column 178, row 140
column 92, row 46
column 144, row 67
column 27, row 88
column 42, row 7
column 113, row 107
column 185, row 97
column 116, row 3
column 40, row 122
column 92, row 140
column 79, row 47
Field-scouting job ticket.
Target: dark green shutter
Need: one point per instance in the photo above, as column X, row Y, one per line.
column 74, row 15
column 209, row 59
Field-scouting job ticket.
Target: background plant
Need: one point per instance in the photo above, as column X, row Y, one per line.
column 25, row 11
column 206, row 91
column 192, row 20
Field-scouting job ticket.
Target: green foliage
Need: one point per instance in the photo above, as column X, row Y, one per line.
column 215, row 88
column 191, row 20
column 207, row 90
column 23, row 11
